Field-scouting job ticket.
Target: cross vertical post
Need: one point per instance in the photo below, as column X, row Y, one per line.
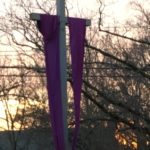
column 60, row 5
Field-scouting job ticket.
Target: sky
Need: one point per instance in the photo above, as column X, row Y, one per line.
column 115, row 8
column 118, row 10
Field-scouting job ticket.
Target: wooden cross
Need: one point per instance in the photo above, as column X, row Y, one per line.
column 63, row 65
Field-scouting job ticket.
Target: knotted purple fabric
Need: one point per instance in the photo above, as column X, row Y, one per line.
column 77, row 29
column 49, row 27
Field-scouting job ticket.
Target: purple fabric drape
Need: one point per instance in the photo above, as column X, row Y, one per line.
column 49, row 27
column 77, row 29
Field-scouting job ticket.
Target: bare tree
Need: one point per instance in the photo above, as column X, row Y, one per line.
column 115, row 94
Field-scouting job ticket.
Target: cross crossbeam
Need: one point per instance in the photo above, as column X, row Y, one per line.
column 36, row 17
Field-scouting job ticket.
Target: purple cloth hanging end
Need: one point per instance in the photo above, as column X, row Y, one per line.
column 77, row 28
column 49, row 27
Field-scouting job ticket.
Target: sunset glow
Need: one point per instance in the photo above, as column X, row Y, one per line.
column 5, row 108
